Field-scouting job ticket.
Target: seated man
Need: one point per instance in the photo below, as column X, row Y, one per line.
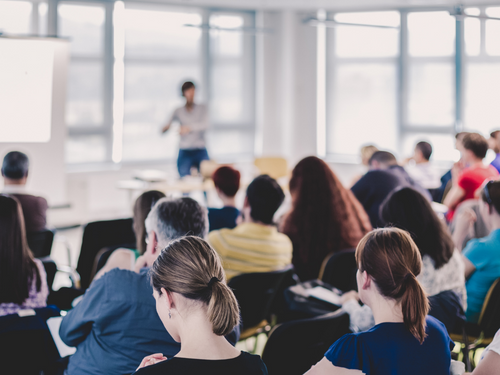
column 255, row 245
column 423, row 171
column 227, row 184
column 466, row 182
column 384, row 176
column 115, row 325
column 15, row 174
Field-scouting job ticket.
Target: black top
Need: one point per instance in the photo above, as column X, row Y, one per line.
column 224, row 217
column 244, row 364
column 375, row 186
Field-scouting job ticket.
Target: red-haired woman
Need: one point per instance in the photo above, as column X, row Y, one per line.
column 23, row 282
column 325, row 217
column 404, row 340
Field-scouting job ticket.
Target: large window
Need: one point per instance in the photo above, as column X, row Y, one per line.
column 128, row 63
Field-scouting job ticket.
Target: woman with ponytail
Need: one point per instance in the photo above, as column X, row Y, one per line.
column 404, row 339
column 198, row 309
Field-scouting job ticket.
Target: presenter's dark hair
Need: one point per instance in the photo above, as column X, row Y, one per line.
column 383, row 157
column 476, row 143
column 142, row 207
column 264, row 196
column 186, row 86
column 227, row 179
column 15, row 165
column 409, row 210
column 191, row 267
column 391, row 258
column 425, row 148
column 18, row 270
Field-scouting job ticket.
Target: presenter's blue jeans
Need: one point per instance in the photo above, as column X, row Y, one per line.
column 190, row 158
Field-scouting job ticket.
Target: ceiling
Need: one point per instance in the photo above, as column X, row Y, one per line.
column 329, row 4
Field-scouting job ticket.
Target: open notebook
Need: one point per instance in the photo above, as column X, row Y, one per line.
column 54, row 324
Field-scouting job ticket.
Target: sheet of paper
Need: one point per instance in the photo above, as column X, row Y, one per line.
column 325, row 295
column 54, row 324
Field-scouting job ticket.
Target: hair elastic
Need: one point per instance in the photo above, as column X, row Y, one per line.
column 407, row 276
column 212, row 281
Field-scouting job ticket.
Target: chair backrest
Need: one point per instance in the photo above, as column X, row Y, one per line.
column 255, row 293
column 51, row 270
column 26, row 344
column 339, row 270
column 100, row 234
column 276, row 167
column 41, row 242
column 489, row 320
column 293, row 347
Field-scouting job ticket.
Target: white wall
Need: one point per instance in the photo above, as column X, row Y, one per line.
column 47, row 175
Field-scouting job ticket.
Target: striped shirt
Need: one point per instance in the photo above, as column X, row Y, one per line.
column 250, row 248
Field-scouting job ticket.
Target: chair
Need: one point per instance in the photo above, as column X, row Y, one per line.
column 98, row 235
column 293, row 347
column 339, row 270
column 26, row 342
column 474, row 336
column 255, row 293
column 276, row 167
column 50, row 269
column 40, row 243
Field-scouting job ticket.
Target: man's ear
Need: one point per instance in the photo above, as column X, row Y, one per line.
column 154, row 242
column 245, row 203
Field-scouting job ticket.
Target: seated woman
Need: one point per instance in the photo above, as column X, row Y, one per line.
column 23, row 282
column 442, row 265
column 227, row 184
column 325, row 217
column 481, row 256
column 490, row 359
column 404, row 340
column 197, row 309
column 126, row 258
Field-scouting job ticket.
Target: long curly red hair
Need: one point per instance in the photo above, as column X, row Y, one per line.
column 325, row 216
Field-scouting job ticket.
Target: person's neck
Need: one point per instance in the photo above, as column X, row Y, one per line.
column 228, row 201
column 494, row 222
column 477, row 163
column 385, row 310
column 189, row 105
column 422, row 162
column 8, row 181
column 198, row 341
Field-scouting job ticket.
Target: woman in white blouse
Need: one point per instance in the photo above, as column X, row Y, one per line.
column 442, row 265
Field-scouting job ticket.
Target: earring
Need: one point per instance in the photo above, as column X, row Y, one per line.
column 169, row 315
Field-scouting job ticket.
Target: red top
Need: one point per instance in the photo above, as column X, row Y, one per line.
column 470, row 180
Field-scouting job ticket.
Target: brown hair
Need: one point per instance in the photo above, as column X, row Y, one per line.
column 142, row 207
column 325, row 217
column 17, row 267
column 392, row 260
column 227, row 179
column 190, row 266
column 476, row 143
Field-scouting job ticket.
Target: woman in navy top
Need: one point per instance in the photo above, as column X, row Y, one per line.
column 404, row 340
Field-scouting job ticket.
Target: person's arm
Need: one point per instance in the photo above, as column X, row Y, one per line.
column 464, row 223
column 325, row 367
column 454, row 197
column 469, row 267
column 489, row 365
column 77, row 324
column 169, row 123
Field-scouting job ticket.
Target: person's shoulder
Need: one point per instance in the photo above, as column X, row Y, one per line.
column 435, row 326
column 344, row 347
column 252, row 363
column 123, row 284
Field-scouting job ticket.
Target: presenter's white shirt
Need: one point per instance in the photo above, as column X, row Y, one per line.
column 197, row 120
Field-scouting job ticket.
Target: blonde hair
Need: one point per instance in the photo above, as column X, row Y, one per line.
column 367, row 151
column 190, row 266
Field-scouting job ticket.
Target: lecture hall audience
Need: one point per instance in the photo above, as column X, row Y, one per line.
column 115, row 325
column 23, row 282
column 384, row 176
column 325, row 217
column 470, row 173
column 481, row 256
column 255, row 245
column 442, row 265
column 227, row 183
column 15, row 170
column 197, row 309
column 126, row 258
column 404, row 340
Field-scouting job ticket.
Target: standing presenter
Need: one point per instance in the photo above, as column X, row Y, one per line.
column 193, row 119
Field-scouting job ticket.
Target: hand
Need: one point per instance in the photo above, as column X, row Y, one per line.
column 457, row 168
column 184, row 130
column 352, row 295
column 151, row 360
column 465, row 222
column 140, row 263
column 165, row 128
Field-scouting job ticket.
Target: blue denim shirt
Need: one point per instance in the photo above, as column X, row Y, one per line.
column 115, row 326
